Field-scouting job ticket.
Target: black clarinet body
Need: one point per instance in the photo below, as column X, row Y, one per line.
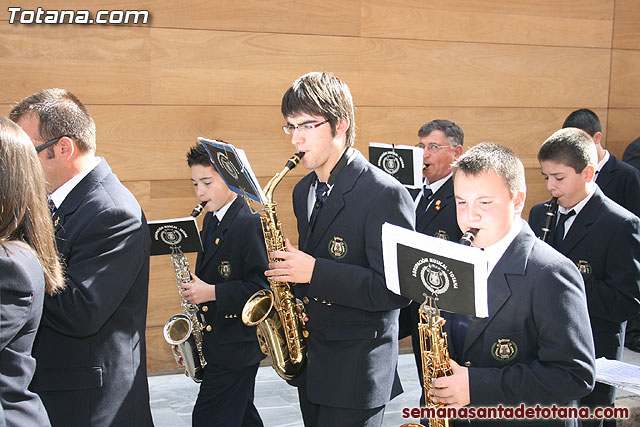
column 550, row 215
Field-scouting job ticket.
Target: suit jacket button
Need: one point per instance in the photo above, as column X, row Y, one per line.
column 467, row 364
column 205, row 308
column 305, row 300
column 208, row 328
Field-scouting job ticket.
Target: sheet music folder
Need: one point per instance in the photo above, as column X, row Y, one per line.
column 416, row 264
column 177, row 232
column 232, row 164
column 403, row 162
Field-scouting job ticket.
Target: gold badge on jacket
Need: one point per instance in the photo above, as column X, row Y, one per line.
column 504, row 350
column 441, row 234
column 224, row 269
column 584, row 267
column 338, row 247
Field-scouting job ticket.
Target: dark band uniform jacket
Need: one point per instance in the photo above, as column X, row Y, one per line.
column 90, row 350
column 604, row 242
column 621, row 183
column 535, row 346
column 439, row 220
column 353, row 317
column 21, row 296
column 235, row 263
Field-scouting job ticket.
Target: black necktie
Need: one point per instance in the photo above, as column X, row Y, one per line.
column 210, row 232
column 559, row 233
column 424, row 202
column 52, row 207
column 322, row 193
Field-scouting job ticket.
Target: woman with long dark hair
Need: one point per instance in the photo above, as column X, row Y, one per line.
column 29, row 267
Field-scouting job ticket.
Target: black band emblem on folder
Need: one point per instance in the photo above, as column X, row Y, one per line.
column 179, row 233
column 448, row 279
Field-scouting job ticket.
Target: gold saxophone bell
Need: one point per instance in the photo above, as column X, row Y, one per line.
column 276, row 312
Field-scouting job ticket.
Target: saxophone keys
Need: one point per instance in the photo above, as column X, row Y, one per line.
column 305, row 300
column 305, row 333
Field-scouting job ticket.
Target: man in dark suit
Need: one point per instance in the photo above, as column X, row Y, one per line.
column 535, row 346
column 600, row 237
column 340, row 208
column 90, row 349
column 228, row 272
column 435, row 206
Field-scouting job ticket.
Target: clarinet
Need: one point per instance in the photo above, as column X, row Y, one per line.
column 550, row 214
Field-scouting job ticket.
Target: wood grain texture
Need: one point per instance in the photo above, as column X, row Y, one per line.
column 625, row 79
column 625, row 29
column 623, row 127
column 452, row 21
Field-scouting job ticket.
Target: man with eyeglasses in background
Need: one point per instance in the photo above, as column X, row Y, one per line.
column 90, row 348
column 435, row 207
column 340, row 208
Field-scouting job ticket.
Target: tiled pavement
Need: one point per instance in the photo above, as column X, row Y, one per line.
column 173, row 396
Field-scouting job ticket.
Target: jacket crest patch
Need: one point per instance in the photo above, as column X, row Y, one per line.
column 338, row 247
column 224, row 269
column 441, row 234
column 504, row 350
column 584, row 267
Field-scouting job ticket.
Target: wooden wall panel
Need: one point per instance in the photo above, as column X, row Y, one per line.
column 625, row 29
column 623, row 127
column 507, row 71
column 409, row 73
column 539, row 25
column 98, row 64
column 625, row 79
column 403, row 72
column 333, row 17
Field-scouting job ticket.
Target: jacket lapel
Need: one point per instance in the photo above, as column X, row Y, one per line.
column 582, row 223
column 221, row 230
column 335, row 202
column 440, row 200
column 301, row 209
column 513, row 262
column 607, row 173
column 78, row 195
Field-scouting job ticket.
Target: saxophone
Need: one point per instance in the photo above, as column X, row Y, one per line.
column 279, row 316
column 550, row 214
column 183, row 331
column 433, row 343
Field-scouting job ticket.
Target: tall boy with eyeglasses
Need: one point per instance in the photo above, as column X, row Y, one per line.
column 340, row 208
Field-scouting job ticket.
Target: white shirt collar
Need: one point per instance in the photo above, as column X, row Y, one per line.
column 497, row 250
column 604, row 160
column 223, row 210
column 63, row 191
column 435, row 186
